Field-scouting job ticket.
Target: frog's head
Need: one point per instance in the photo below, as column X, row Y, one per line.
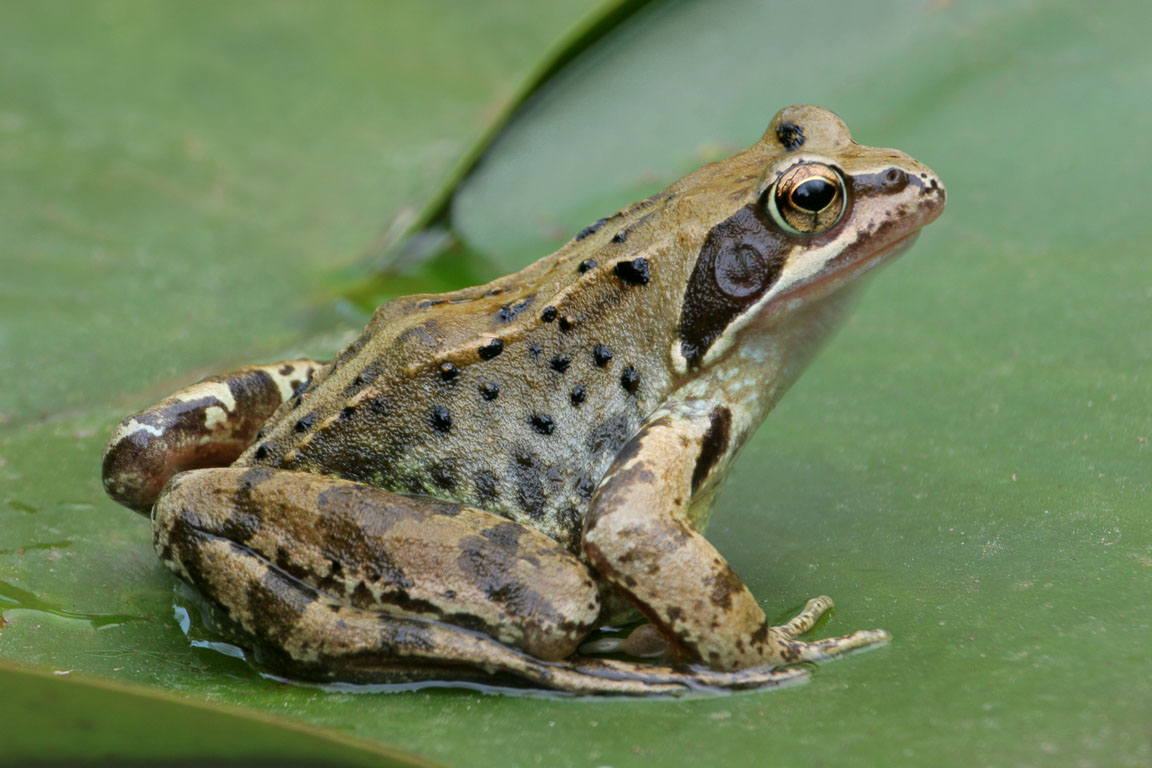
column 824, row 211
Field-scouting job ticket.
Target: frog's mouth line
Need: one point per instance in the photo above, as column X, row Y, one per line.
column 836, row 278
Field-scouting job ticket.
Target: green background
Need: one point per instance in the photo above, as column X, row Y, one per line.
column 184, row 188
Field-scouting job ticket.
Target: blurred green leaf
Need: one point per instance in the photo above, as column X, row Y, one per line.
column 966, row 466
column 112, row 723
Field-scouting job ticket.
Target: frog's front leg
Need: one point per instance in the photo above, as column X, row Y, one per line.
column 639, row 536
column 206, row 424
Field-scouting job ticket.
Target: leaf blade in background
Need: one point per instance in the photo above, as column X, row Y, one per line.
column 963, row 466
column 111, row 722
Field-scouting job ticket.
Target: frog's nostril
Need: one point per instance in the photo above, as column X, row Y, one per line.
column 894, row 181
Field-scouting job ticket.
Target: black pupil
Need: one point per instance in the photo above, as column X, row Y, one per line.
column 813, row 195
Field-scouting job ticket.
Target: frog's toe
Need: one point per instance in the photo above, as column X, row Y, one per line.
column 644, row 642
column 792, row 650
column 833, row 647
column 807, row 618
column 608, row 676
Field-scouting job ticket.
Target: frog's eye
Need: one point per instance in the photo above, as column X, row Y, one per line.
column 806, row 199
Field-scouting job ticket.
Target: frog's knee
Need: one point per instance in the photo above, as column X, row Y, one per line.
column 207, row 424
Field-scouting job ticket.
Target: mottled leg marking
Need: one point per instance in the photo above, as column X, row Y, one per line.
column 639, row 537
column 327, row 618
column 376, row 550
column 207, row 424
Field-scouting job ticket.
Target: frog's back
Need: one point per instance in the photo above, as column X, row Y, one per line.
column 514, row 397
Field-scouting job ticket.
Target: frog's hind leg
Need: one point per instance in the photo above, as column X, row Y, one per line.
column 341, row 581
column 206, row 424
column 309, row 635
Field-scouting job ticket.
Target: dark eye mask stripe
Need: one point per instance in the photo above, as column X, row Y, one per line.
column 740, row 260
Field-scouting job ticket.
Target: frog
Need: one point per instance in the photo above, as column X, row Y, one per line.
column 484, row 478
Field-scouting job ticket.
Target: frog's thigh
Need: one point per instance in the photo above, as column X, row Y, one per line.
column 206, row 424
column 373, row 550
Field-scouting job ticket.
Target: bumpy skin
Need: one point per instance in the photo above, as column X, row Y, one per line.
column 574, row 420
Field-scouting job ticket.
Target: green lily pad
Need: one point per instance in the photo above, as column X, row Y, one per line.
column 967, row 465
column 109, row 722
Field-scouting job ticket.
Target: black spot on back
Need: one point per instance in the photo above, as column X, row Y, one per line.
column 363, row 379
column 489, row 390
column 584, row 487
column 485, row 486
column 634, row 272
column 444, row 475
column 602, row 355
column 491, row 349
column 448, row 371
column 527, row 474
column 630, row 380
column 508, row 312
column 440, row 419
column 542, row 423
column 610, row 436
column 591, row 229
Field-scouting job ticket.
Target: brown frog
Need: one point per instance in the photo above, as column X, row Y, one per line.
column 483, row 477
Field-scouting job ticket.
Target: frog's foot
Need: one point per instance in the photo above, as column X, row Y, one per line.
column 791, row 649
column 646, row 641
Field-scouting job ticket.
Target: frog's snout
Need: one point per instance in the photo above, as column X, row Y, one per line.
column 933, row 197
